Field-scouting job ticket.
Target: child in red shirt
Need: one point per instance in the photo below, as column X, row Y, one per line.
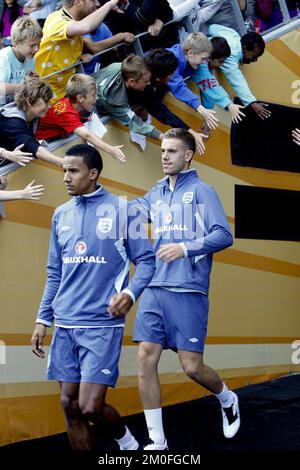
column 64, row 118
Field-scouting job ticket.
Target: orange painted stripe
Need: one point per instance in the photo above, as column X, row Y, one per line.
column 21, row 339
column 257, row 262
column 38, row 416
column 123, row 187
column 105, row 181
column 285, row 55
column 49, row 165
column 40, row 216
column 23, row 418
column 24, row 339
column 29, row 213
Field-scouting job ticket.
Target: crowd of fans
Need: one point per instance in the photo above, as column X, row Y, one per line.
column 43, row 98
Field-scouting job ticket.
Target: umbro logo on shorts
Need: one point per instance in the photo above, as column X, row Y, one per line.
column 193, row 340
column 106, row 371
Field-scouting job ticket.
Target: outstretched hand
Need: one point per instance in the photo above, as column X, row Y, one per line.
column 117, row 153
column 115, row 7
column 236, row 113
column 260, row 109
column 199, row 140
column 17, row 156
column 33, row 192
column 209, row 116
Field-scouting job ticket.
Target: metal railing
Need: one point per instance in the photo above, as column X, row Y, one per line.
column 136, row 44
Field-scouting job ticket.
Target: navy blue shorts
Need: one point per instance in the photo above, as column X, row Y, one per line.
column 85, row 355
column 176, row 320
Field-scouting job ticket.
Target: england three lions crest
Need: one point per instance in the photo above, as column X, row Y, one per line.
column 104, row 225
column 187, row 197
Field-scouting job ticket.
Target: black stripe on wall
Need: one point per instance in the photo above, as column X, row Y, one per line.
column 267, row 213
column 267, row 143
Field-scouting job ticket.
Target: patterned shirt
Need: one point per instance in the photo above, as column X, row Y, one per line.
column 57, row 51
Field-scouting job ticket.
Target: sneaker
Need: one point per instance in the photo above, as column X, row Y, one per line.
column 132, row 445
column 155, row 446
column 231, row 418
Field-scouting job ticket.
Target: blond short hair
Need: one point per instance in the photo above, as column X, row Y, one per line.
column 31, row 91
column 80, row 84
column 134, row 67
column 24, row 29
column 196, row 43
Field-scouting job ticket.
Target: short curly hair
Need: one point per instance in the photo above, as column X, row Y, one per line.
column 24, row 29
column 31, row 91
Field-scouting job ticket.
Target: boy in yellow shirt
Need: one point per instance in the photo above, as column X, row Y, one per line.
column 62, row 44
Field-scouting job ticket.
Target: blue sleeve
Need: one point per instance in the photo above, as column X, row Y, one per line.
column 210, row 88
column 54, row 270
column 237, row 81
column 181, row 91
column 141, row 206
column 106, row 32
column 140, row 252
column 102, row 32
column 213, row 224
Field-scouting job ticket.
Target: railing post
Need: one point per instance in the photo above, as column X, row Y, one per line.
column 239, row 18
column 284, row 11
column 188, row 24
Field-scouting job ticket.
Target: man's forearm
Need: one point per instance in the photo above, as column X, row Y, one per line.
column 213, row 242
column 90, row 22
column 99, row 46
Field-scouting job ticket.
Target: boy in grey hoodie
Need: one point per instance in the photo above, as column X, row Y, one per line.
column 112, row 84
